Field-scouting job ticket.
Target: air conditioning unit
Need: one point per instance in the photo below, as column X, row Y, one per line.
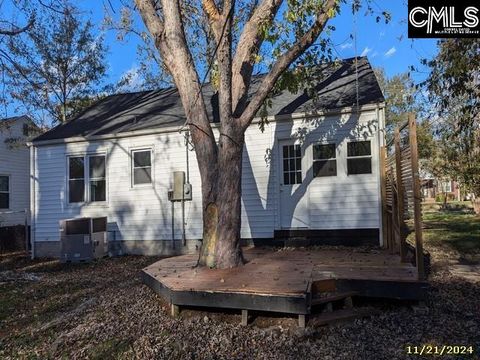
column 83, row 239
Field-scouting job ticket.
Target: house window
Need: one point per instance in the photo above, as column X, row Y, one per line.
column 141, row 167
column 76, row 179
column 4, row 192
column 446, row 186
column 359, row 157
column 324, row 160
column 292, row 164
column 94, row 179
column 97, row 178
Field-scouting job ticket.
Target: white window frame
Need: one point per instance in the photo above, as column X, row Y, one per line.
column 152, row 167
column 336, row 158
column 86, row 180
column 67, row 197
column 360, row 156
column 446, row 186
column 296, row 169
column 9, row 192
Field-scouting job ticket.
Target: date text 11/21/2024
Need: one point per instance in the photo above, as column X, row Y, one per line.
column 440, row 350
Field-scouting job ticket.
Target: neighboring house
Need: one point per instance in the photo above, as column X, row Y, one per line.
column 314, row 171
column 434, row 189
column 14, row 171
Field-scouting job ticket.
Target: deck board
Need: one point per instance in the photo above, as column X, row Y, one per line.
column 280, row 273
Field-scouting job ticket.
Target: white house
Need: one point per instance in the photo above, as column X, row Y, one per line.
column 14, row 170
column 313, row 173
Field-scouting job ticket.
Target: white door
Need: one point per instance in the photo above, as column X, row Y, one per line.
column 293, row 195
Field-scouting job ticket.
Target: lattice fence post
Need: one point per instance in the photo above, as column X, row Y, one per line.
column 417, row 197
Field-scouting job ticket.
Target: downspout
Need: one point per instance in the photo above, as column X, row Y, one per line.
column 381, row 142
column 32, row 198
column 184, row 237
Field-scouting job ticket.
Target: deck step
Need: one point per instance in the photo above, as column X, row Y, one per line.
column 327, row 298
column 342, row 315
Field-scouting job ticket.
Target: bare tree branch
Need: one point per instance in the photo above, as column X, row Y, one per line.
column 211, row 10
column 248, row 46
column 151, row 19
column 284, row 61
column 50, row 7
column 16, row 31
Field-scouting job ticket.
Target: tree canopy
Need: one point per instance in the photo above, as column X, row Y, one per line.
column 56, row 65
column 454, row 91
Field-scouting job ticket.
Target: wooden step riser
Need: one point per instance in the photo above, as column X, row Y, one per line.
column 345, row 298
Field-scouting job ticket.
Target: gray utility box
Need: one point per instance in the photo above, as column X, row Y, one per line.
column 181, row 190
column 83, row 239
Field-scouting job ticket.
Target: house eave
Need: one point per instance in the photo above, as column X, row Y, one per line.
column 170, row 129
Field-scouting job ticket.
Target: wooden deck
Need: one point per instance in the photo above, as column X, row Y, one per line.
column 284, row 280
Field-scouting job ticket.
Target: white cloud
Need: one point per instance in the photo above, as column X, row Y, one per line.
column 346, row 46
column 365, row 51
column 375, row 54
column 390, row 52
column 130, row 80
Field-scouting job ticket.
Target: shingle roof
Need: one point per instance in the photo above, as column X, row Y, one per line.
column 157, row 109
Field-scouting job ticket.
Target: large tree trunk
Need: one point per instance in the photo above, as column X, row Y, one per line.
column 222, row 216
column 221, row 167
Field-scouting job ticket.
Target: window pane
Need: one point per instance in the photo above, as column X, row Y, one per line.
column 298, row 163
column 285, row 165
column 285, row 152
column 97, row 167
column 298, row 151
column 325, row 168
column 76, row 191
column 97, row 190
column 76, row 168
column 292, row 178
column 299, row 177
column 359, row 148
column 291, row 151
column 359, row 166
column 141, row 158
column 142, row 176
column 292, row 164
column 286, row 179
column 3, row 183
column 323, row 151
column 4, row 201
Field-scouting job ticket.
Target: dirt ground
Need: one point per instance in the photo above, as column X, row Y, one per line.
column 102, row 310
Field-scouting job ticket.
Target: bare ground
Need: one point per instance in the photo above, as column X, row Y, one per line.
column 102, row 310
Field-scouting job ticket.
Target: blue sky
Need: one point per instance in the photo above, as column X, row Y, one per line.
column 386, row 45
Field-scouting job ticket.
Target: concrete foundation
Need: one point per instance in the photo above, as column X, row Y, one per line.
column 51, row 249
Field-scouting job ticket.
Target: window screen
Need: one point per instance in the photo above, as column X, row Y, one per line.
column 76, row 179
column 359, row 157
column 292, row 164
column 324, row 160
column 4, row 192
column 97, row 178
column 142, row 167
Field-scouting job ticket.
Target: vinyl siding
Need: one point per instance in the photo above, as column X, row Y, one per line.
column 144, row 213
column 15, row 163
